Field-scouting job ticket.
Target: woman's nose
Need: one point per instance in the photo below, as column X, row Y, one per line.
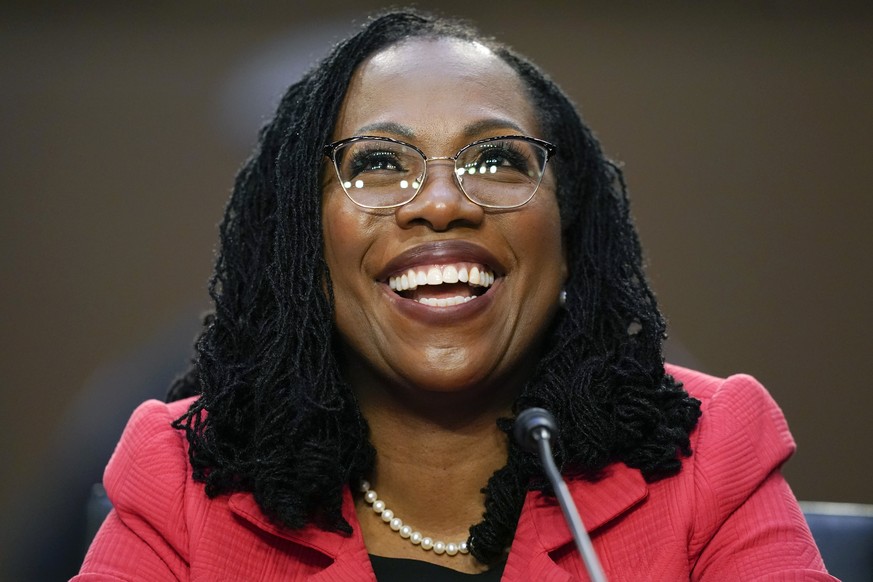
column 440, row 203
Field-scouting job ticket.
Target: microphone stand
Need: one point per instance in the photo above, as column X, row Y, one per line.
column 542, row 437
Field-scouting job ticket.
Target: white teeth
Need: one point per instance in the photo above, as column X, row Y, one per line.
column 445, row 301
column 436, row 275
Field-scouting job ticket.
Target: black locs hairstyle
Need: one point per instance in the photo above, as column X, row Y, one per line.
column 275, row 416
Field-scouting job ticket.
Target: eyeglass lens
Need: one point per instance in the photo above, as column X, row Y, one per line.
column 497, row 173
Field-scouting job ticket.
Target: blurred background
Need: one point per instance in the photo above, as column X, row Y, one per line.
column 744, row 130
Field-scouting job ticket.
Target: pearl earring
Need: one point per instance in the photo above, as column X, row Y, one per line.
column 562, row 298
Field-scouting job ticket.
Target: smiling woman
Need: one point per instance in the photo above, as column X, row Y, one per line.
column 428, row 241
column 403, row 342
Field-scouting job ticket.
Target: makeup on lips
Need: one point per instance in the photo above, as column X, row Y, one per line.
column 442, row 285
column 445, row 273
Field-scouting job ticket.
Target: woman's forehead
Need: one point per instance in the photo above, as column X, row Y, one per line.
column 421, row 51
column 425, row 83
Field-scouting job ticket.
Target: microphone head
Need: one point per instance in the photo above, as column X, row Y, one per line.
column 528, row 422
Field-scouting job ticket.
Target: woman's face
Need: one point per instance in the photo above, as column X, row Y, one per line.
column 441, row 95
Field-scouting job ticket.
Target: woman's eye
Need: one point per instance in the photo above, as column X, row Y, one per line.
column 375, row 161
column 498, row 158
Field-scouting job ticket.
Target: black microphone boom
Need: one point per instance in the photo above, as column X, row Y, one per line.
column 533, row 431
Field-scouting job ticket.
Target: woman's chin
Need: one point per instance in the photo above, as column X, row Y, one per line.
column 456, row 386
column 431, row 373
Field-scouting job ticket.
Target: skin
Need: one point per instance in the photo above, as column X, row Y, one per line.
column 431, row 383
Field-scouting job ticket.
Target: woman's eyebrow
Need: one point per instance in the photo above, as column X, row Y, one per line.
column 387, row 127
column 479, row 127
column 472, row 130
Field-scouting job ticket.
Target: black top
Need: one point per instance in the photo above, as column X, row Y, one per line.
column 402, row 570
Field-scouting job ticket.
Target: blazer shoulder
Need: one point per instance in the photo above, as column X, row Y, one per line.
column 740, row 398
column 737, row 411
column 741, row 439
column 150, row 463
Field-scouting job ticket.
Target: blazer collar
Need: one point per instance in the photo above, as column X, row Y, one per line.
column 541, row 527
column 619, row 490
column 347, row 551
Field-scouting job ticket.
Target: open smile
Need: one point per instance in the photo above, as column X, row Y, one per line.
column 442, row 274
column 443, row 285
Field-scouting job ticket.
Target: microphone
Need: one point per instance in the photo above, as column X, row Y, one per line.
column 533, row 431
column 531, row 422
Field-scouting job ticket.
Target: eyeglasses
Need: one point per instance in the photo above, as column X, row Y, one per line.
column 498, row 172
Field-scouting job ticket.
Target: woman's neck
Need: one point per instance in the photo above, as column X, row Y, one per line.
column 431, row 469
column 435, row 452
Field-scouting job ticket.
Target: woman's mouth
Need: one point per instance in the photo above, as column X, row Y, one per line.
column 442, row 285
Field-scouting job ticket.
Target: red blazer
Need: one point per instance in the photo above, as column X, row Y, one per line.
column 728, row 515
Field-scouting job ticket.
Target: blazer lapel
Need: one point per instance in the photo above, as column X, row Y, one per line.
column 542, row 529
column 620, row 489
column 349, row 554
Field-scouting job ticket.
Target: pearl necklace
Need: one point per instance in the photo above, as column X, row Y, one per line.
column 406, row 532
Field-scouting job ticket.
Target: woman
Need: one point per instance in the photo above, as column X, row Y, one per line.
column 427, row 241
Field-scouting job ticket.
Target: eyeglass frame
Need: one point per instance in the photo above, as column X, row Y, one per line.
column 329, row 150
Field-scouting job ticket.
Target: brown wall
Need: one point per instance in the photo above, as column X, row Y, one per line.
column 745, row 135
